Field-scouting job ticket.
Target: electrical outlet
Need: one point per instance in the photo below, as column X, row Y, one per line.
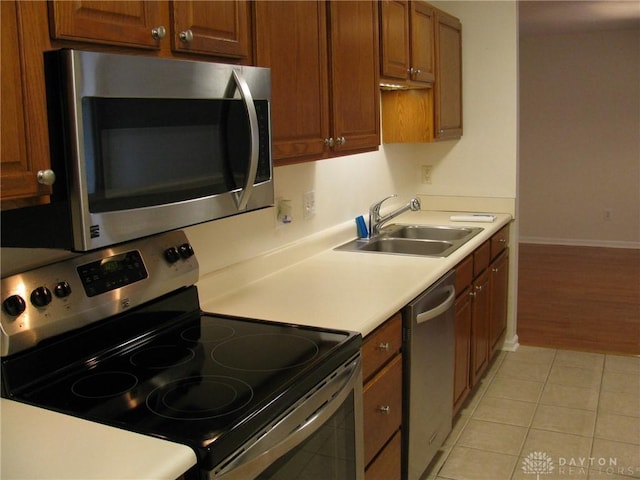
column 425, row 174
column 309, row 204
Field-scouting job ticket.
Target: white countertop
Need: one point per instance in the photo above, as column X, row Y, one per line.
column 345, row 290
column 310, row 285
column 41, row 444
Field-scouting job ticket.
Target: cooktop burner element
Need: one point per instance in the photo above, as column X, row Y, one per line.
column 269, row 352
column 104, row 385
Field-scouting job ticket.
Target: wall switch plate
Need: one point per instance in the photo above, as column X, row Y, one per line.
column 309, row 204
column 425, row 174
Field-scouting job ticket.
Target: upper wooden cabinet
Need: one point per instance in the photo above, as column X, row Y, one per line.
column 324, row 77
column 407, row 42
column 221, row 28
column 24, row 149
column 417, row 115
column 448, row 86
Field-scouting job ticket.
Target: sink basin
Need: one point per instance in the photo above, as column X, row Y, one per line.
column 407, row 247
column 420, row 240
column 430, row 232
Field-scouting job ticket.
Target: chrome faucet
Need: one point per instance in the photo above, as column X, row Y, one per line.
column 376, row 221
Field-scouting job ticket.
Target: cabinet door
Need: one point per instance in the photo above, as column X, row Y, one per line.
column 422, row 42
column 480, row 326
column 499, row 285
column 291, row 39
column 214, row 28
column 394, row 39
column 461, row 386
column 127, row 23
column 448, row 86
column 355, row 102
column 21, row 159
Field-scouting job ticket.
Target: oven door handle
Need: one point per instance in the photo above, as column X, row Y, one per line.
column 242, row 197
column 298, row 424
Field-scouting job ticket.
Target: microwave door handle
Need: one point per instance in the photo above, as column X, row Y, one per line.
column 242, row 197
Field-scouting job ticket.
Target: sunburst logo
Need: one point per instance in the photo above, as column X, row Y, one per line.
column 537, row 463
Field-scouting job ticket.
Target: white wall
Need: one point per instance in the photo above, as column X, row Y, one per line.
column 580, row 138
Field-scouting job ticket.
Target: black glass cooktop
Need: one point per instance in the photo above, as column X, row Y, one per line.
column 170, row 371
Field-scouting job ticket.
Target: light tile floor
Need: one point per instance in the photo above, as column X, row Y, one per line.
column 542, row 413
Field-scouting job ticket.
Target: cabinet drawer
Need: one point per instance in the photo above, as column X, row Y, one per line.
column 481, row 258
column 388, row 464
column 499, row 241
column 464, row 274
column 382, row 404
column 381, row 345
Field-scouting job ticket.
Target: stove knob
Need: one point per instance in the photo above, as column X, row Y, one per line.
column 63, row 289
column 41, row 296
column 172, row 255
column 186, row 250
column 14, row 305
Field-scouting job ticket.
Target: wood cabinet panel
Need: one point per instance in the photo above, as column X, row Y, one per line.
column 499, row 288
column 481, row 258
column 24, row 149
column 464, row 274
column 394, row 39
column 291, row 39
column 448, row 85
column 422, row 42
column 355, row 95
column 128, row 23
column 480, row 326
column 499, row 241
column 381, row 346
column 461, row 379
column 382, row 405
column 388, row 464
column 220, row 27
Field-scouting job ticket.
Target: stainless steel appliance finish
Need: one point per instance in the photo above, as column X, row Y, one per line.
column 144, row 145
column 428, row 322
column 117, row 336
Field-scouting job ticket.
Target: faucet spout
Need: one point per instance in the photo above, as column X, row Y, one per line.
column 376, row 221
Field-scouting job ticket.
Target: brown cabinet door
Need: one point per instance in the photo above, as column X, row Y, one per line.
column 21, row 159
column 448, row 86
column 480, row 306
column 394, row 39
column 291, row 39
column 422, row 42
column 214, row 28
column 126, row 23
column 354, row 65
column 462, row 328
column 388, row 463
column 499, row 285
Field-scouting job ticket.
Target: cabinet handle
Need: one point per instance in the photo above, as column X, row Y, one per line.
column 186, row 36
column 384, row 346
column 341, row 141
column 328, row 142
column 495, row 270
column 472, row 294
column 46, row 177
column 384, row 409
column 479, row 288
column 502, row 240
column 158, row 33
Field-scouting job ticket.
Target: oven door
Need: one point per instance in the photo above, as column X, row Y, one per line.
column 320, row 437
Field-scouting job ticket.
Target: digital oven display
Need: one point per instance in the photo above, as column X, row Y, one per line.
column 111, row 273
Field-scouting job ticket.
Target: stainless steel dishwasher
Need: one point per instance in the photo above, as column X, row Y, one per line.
column 428, row 323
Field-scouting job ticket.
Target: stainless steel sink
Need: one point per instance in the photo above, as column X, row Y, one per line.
column 406, row 247
column 430, row 232
column 420, row 240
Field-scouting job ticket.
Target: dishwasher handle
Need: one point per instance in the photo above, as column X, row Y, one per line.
column 440, row 309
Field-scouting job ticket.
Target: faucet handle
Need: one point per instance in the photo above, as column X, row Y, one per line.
column 376, row 206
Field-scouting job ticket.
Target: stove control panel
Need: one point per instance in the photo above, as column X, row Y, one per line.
column 61, row 297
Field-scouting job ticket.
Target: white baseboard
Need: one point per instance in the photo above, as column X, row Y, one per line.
column 510, row 344
column 579, row 243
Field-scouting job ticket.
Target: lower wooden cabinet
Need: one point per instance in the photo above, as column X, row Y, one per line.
column 480, row 312
column 382, row 400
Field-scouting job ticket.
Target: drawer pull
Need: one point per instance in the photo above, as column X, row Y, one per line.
column 384, row 409
column 384, row 346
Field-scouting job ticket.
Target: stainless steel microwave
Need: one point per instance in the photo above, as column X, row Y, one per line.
column 143, row 145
